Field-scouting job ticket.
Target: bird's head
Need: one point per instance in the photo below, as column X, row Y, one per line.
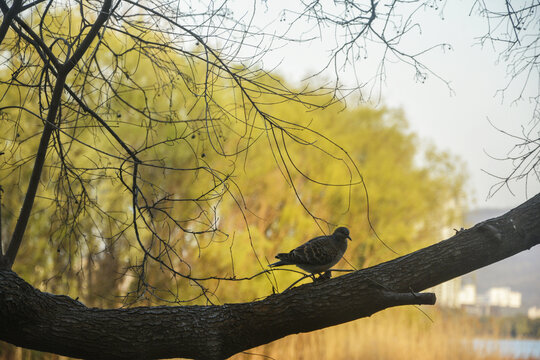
column 342, row 231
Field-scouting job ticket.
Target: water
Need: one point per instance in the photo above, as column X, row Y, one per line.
column 510, row 347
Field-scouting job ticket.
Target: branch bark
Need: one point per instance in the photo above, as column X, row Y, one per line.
column 58, row 324
column 9, row 15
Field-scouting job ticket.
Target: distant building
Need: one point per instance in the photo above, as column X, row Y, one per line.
column 472, row 302
column 501, row 301
column 467, row 295
column 497, row 301
column 533, row 313
column 504, row 297
column 448, row 293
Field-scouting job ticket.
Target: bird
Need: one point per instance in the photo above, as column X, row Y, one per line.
column 318, row 254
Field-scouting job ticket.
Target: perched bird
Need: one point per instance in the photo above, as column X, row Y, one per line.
column 318, row 254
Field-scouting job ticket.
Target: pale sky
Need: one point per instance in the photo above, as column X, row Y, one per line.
column 455, row 121
column 459, row 122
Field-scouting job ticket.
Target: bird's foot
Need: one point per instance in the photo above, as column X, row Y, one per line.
column 324, row 276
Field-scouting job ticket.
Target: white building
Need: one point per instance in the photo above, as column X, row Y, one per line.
column 448, row 293
column 496, row 301
column 503, row 297
column 533, row 313
column 467, row 295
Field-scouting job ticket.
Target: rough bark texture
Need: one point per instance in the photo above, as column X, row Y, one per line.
column 58, row 324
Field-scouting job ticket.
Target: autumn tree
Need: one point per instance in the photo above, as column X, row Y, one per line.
column 130, row 133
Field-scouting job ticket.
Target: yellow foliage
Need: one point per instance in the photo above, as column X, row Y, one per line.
column 265, row 176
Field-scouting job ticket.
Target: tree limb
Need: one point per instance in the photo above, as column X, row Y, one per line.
column 55, row 104
column 59, row 324
column 9, row 15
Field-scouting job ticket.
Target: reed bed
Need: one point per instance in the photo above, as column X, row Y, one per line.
column 397, row 334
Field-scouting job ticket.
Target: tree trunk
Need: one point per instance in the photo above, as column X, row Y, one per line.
column 58, row 324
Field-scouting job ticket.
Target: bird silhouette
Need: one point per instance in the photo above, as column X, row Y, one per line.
column 318, row 254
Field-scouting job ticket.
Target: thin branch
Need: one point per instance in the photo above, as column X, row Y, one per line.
column 54, row 109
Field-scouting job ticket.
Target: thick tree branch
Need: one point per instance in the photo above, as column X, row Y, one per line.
column 30, row 195
column 8, row 17
column 61, row 325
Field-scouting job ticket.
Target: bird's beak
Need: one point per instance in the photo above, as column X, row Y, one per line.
column 348, row 237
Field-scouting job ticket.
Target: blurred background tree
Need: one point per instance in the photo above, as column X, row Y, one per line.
column 178, row 165
column 80, row 228
column 233, row 165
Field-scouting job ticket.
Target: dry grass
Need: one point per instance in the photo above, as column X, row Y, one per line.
column 399, row 333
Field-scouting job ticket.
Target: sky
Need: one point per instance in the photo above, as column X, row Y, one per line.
column 463, row 120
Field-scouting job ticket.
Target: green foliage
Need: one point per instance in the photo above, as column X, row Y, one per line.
column 264, row 183
column 414, row 196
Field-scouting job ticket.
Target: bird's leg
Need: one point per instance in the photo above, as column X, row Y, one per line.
column 323, row 276
column 326, row 275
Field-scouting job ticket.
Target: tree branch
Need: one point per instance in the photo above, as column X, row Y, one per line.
column 58, row 324
column 8, row 17
column 30, row 195
column 56, row 99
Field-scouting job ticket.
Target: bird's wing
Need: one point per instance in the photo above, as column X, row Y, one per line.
column 317, row 251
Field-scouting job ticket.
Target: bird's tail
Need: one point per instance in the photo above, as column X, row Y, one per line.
column 281, row 261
